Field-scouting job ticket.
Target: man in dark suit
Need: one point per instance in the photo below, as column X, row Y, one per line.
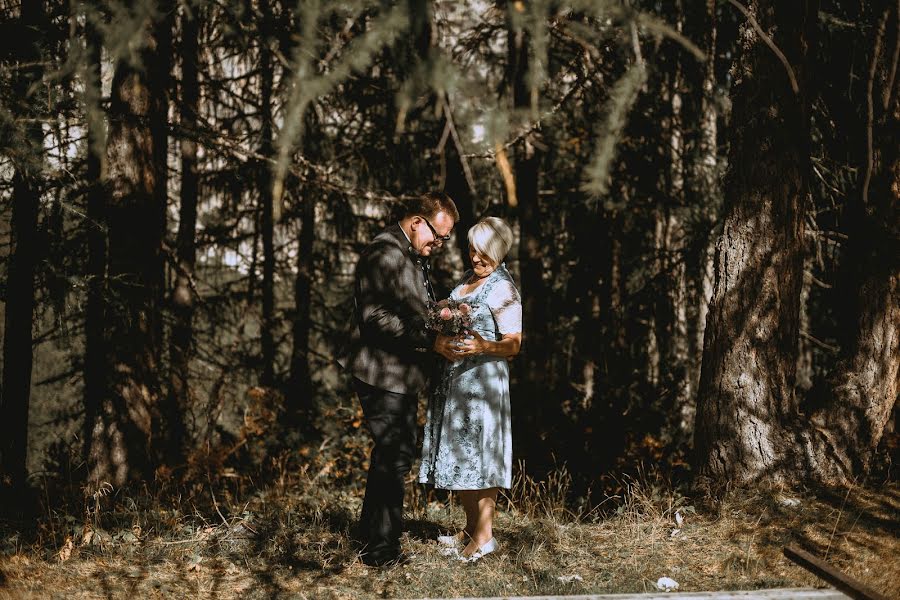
column 392, row 354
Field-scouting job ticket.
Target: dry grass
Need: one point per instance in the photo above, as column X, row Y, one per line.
column 293, row 541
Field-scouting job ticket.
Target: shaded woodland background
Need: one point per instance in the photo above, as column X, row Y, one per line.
column 704, row 196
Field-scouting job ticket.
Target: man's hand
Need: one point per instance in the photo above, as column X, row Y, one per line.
column 446, row 347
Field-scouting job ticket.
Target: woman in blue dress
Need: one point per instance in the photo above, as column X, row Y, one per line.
column 468, row 441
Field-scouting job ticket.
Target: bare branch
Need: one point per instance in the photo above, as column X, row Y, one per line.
column 790, row 71
column 870, row 109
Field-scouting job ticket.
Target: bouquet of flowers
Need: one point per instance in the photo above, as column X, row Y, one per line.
column 449, row 317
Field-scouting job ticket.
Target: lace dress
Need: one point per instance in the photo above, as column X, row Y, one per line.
column 468, row 438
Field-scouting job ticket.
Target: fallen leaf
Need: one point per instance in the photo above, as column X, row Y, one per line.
column 66, row 551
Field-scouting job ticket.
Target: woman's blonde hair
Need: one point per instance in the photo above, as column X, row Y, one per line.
column 492, row 238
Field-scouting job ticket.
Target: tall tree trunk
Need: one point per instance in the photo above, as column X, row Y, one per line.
column 672, row 319
column 95, row 348
column 267, row 221
column 124, row 440
column 607, row 416
column 589, row 232
column 301, row 392
column 864, row 386
column 702, row 191
column 671, row 313
column 181, row 344
column 862, row 389
column 527, row 167
column 457, row 186
column 17, row 341
column 750, row 348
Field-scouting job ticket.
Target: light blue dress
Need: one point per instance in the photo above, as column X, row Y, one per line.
column 468, row 437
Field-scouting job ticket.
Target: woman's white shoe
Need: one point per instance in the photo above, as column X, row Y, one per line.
column 488, row 547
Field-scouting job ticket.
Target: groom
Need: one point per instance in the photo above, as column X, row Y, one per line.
column 391, row 358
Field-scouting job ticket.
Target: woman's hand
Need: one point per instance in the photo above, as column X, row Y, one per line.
column 472, row 344
column 446, row 346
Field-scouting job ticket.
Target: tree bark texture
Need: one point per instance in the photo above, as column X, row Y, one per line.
column 300, row 393
column 15, row 394
column 862, row 390
column 178, row 405
column 702, row 190
column 95, row 349
column 750, row 347
column 124, row 437
column 267, row 221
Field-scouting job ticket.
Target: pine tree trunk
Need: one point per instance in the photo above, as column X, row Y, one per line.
column 457, row 187
column 95, row 349
column 607, row 417
column 672, row 320
column 301, row 390
column 750, row 347
column 864, row 386
column 124, row 437
column 702, row 191
column 267, row 221
column 583, row 295
column 676, row 384
column 526, row 172
column 20, row 302
column 862, row 389
column 702, row 277
column 178, row 404
column 669, row 317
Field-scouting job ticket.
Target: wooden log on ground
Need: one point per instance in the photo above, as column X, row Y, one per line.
column 772, row 594
column 850, row 586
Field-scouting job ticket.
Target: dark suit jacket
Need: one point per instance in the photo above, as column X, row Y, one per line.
column 390, row 346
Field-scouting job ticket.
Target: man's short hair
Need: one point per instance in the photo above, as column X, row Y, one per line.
column 429, row 204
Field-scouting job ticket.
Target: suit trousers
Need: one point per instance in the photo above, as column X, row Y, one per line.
column 391, row 418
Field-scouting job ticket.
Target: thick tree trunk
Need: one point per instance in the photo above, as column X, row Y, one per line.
column 267, row 221
column 750, row 348
column 862, row 390
column 864, row 386
column 178, row 405
column 17, row 341
column 123, row 437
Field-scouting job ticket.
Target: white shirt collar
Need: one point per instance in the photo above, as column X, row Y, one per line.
column 404, row 234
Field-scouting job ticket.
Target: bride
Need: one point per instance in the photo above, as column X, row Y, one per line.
column 468, row 442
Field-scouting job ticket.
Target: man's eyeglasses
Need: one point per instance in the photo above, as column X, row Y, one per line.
column 437, row 238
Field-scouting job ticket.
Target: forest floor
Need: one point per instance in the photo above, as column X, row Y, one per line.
column 292, row 540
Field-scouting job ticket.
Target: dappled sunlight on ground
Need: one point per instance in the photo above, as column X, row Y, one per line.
column 296, row 540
